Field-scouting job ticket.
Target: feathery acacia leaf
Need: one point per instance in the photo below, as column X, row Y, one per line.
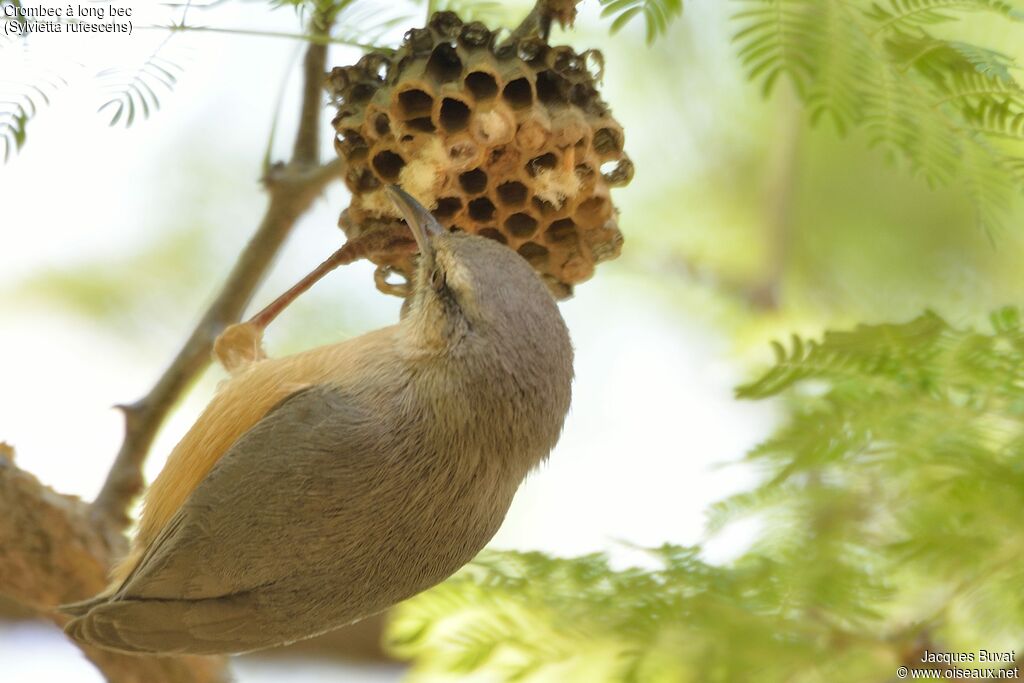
column 135, row 92
column 19, row 104
column 907, row 14
column 943, row 106
column 657, row 14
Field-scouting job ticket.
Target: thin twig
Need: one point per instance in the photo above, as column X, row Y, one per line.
column 311, row 38
column 307, row 138
column 292, row 188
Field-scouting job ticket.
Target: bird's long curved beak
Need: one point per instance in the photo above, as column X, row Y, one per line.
column 421, row 222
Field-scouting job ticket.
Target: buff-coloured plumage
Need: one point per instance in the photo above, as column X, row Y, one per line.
column 320, row 488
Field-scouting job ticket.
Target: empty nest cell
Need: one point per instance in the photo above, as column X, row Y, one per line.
column 545, row 161
column 544, row 206
column 521, row 225
column 512, row 193
column 493, row 234
column 607, row 142
column 446, row 209
column 388, row 165
column 482, row 85
column 518, row 93
column 421, row 124
column 454, row 115
column 481, row 209
column 444, row 64
column 473, row 182
column 549, row 88
column 414, row 103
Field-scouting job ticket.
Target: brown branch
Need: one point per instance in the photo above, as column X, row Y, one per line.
column 292, row 188
column 52, row 552
column 314, row 66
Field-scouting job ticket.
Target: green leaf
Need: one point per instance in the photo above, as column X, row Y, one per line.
column 21, row 99
column 943, row 106
column 623, row 19
column 658, row 15
column 132, row 90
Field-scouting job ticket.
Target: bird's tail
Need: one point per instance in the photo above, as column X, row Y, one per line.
column 82, row 607
column 210, row 626
column 91, row 628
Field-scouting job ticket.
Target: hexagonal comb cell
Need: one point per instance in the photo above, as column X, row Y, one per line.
column 521, row 225
column 454, row 115
column 508, row 139
column 513, row 193
column 481, row 209
column 481, row 85
column 444, row 64
column 518, row 93
column 414, row 103
column 473, row 182
column 388, row 165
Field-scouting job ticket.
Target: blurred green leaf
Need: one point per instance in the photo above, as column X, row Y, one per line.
column 946, row 106
column 657, row 14
column 131, row 292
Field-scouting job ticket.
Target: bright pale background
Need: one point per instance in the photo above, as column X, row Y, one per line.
column 652, row 413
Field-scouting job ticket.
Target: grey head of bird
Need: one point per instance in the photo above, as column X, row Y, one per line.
column 467, row 286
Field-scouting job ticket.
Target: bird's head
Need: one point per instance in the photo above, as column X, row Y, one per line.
column 468, row 285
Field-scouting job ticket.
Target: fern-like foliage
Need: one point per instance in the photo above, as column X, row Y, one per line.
column 14, row 117
column 22, row 99
column 890, row 507
column 657, row 14
column 131, row 93
column 952, row 110
column 529, row 616
column 909, row 456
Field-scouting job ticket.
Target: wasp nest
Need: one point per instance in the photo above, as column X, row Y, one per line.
column 506, row 139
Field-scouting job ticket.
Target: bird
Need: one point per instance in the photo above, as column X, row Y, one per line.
column 319, row 488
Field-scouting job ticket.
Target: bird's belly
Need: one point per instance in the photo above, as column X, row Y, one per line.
column 410, row 543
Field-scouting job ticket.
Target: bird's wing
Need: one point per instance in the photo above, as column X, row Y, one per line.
column 261, row 512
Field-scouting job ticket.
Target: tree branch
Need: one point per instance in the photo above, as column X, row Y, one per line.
column 51, row 552
column 314, row 67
